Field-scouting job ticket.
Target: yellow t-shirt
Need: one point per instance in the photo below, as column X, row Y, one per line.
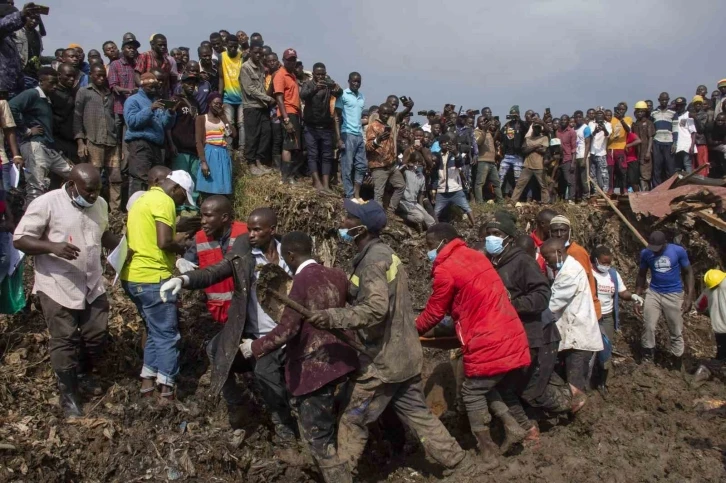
column 618, row 139
column 149, row 263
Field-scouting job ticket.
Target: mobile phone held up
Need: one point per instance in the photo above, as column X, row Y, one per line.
column 168, row 104
column 404, row 99
column 387, row 129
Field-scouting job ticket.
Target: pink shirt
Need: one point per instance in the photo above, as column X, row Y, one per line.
column 568, row 138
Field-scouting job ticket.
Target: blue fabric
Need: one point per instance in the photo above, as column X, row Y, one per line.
column 161, row 353
column 219, row 181
column 142, row 122
column 607, row 352
column 457, row 198
column 616, row 298
column 11, row 74
column 665, row 269
column 436, row 147
column 353, row 162
column 352, row 107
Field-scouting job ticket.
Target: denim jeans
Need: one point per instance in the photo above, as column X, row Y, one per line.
column 599, row 171
column 319, row 142
column 161, row 353
column 235, row 116
column 684, row 161
column 510, row 161
column 7, row 168
column 353, row 162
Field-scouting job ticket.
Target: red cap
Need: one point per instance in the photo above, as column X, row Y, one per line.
column 289, row 54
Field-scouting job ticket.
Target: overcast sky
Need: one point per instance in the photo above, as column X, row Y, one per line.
column 565, row 54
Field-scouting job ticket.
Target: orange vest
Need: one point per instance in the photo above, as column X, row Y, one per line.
column 219, row 295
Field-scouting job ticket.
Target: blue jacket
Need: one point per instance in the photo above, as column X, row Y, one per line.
column 142, row 122
column 11, row 71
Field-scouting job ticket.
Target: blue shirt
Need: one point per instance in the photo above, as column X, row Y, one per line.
column 665, row 269
column 352, row 106
column 142, row 122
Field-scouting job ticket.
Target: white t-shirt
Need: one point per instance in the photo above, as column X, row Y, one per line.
column 606, row 289
column 686, row 126
column 583, row 132
column 599, row 141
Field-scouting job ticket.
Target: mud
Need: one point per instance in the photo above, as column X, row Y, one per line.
column 653, row 427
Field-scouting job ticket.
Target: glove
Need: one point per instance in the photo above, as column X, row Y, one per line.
column 174, row 286
column 184, row 265
column 638, row 299
column 246, row 348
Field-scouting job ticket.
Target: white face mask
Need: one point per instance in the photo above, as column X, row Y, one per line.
column 80, row 200
column 602, row 268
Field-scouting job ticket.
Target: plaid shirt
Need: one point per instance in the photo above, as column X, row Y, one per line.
column 93, row 118
column 121, row 74
column 147, row 61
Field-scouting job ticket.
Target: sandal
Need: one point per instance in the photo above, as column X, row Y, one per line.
column 166, row 395
column 147, row 391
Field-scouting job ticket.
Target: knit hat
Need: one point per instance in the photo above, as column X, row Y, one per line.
column 721, row 83
column 505, row 222
column 514, row 110
column 713, row 278
column 560, row 220
column 696, row 99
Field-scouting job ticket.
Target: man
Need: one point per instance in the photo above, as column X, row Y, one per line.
column 110, row 50
column 669, row 268
column 65, row 229
column 664, row 165
column 209, row 71
column 34, row 119
column 351, row 141
column 146, row 120
column 216, row 238
column 467, row 147
column 94, row 128
column 684, row 136
column 11, row 21
column 571, row 304
column 247, row 320
column 703, row 119
column 176, row 54
column 447, row 176
column 486, row 168
column 7, row 132
column 244, row 44
column 287, row 95
column 534, row 148
column 568, row 139
column 645, row 130
column 617, row 164
column 318, row 363
column 202, row 88
column 94, row 57
column 601, row 131
column 560, row 227
column 381, row 154
column 319, row 134
column 157, row 174
column 63, row 103
column 430, row 116
column 73, row 57
column 382, row 314
column 257, row 105
column 121, row 76
column 151, row 230
column 716, row 138
column 577, row 174
column 157, row 58
column 494, row 346
column 230, row 64
column 217, row 43
column 181, row 135
column 512, row 141
column 719, row 108
column 30, row 47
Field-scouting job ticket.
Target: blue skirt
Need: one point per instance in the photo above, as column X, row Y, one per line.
column 219, row 181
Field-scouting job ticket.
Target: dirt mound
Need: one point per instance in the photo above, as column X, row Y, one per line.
column 653, row 427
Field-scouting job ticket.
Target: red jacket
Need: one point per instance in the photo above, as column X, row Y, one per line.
column 466, row 286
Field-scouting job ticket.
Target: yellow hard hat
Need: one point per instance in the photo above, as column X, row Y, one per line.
column 713, row 278
column 641, row 105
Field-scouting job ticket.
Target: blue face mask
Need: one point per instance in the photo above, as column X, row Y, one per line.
column 419, row 169
column 559, row 263
column 345, row 235
column 494, row 244
column 80, row 200
column 432, row 253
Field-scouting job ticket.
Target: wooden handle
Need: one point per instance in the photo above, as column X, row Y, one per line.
column 618, row 212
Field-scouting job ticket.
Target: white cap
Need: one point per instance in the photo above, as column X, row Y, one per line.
column 183, row 179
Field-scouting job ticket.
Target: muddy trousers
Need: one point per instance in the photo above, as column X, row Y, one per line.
column 577, row 367
column 70, row 328
column 368, row 400
column 670, row 305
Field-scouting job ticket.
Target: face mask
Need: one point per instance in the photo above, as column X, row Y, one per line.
column 80, row 200
column 419, row 169
column 432, row 253
column 602, row 268
column 559, row 263
column 345, row 235
column 494, row 245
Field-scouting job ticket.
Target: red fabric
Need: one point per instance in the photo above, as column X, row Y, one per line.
column 537, row 242
column 466, row 286
column 208, row 257
column 702, row 158
column 540, row 259
column 631, row 153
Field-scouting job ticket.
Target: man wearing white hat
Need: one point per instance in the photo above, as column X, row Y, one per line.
column 151, row 230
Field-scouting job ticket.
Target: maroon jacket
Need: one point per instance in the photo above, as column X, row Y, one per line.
column 314, row 357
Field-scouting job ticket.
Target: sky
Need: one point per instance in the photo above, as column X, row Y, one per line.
column 562, row 54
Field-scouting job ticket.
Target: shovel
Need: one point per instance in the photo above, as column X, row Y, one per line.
column 273, row 286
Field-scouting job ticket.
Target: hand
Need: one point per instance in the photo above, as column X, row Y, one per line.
column 692, row 150
column 82, row 150
column 157, row 105
column 184, row 266
column 65, row 251
column 176, row 106
column 289, row 127
column 232, row 131
column 37, row 131
column 687, row 304
column 383, row 136
column 646, row 158
column 408, row 104
column 638, row 308
column 246, row 348
column 30, row 10
column 341, row 144
column 319, row 319
column 173, row 151
column 638, row 300
column 172, row 286
column 321, row 85
column 673, row 148
column 19, row 162
column 188, row 224
column 205, row 169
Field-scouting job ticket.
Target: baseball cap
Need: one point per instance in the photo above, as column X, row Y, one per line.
column 289, row 54
column 370, row 214
column 189, row 76
column 656, row 241
column 130, row 38
column 680, row 100
column 183, row 179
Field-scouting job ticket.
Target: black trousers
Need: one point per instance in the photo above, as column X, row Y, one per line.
column 143, row 155
column 319, row 142
column 577, row 364
column 257, row 133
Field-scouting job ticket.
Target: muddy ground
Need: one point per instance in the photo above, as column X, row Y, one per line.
column 653, row 427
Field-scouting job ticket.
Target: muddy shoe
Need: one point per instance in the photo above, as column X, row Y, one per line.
column 284, row 434
column 69, row 399
column 489, row 451
column 468, row 466
column 702, row 375
column 337, row 474
column 513, row 432
column 647, row 356
column 89, row 385
column 602, row 385
column 255, row 171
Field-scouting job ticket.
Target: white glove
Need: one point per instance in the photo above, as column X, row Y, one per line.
column 638, row 299
column 184, row 265
column 174, row 286
column 246, row 348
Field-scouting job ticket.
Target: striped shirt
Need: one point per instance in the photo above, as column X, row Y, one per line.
column 663, row 121
column 214, row 133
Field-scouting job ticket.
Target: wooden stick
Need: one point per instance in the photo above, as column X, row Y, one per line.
column 618, row 212
column 682, row 181
column 287, row 301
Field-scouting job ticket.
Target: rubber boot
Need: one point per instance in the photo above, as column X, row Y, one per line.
column 488, row 449
column 602, row 383
column 647, row 356
column 69, row 400
column 277, row 160
column 676, row 363
column 336, row 474
column 513, row 432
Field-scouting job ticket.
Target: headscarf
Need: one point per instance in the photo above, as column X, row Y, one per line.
column 560, row 220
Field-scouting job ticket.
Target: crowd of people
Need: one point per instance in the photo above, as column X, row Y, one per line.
column 156, row 133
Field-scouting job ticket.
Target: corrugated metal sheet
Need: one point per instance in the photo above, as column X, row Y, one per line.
column 658, row 202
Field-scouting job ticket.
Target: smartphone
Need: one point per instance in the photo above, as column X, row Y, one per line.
column 476, row 112
column 417, row 142
column 404, row 99
column 547, row 110
column 422, row 113
column 168, row 104
column 42, row 9
column 387, row 129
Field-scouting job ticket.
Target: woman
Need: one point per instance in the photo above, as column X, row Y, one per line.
column 215, row 166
